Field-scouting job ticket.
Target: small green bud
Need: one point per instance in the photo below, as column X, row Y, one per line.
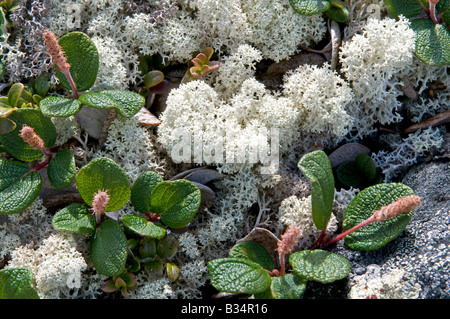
column 154, row 269
column 132, row 243
column 134, row 265
column 167, row 246
column 172, row 272
column 147, row 248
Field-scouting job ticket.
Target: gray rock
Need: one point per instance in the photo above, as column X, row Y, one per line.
column 92, row 120
column 421, row 252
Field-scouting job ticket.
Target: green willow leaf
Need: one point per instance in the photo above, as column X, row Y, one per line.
column 97, row 100
column 253, row 251
column 432, row 42
column 142, row 189
column 61, row 170
column 337, row 14
column 154, row 269
column 43, row 127
column 177, row 201
column 127, row 103
column 143, row 227
column 17, row 191
column 172, row 271
column 319, row 265
column 82, row 55
column 42, row 84
column 377, row 234
column 287, row 286
column 443, row 7
column 407, row 8
column 167, row 246
column 16, row 283
column 2, row 66
column 14, row 94
column 6, row 125
column 108, row 248
column 75, row 218
column 58, row 106
column 104, row 174
column 349, row 174
column 317, row 168
column 309, row 7
column 366, row 165
column 238, row 275
column 153, row 78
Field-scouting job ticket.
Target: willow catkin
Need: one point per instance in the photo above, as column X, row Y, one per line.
column 55, row 51
column 400, row 206
column 289, row 239
column 100, row 201
column 29, row 136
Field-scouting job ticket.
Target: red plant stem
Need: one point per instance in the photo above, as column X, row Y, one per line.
column 432, row 4
column 342, row 235
column 40, row 166
column 71, row 82
column 319, row 240
column 282, row 265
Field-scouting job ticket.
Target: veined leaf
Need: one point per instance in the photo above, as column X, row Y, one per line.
column 61, row 170
column 108, row 248
column 407, row 8
column 75, row 218
column 82, row 55
column 97, row 100
column 432, row 42
column 309, row 7
column 143, row 227
column 17, row 191
column 376, row 234
column 253, row 251
column 142, row 190
column 104, row 174
column 6, row 125
column 16, row 283
column 177, row 201
column 287, row 286
column 317, row 168
column 127, row 103
column 58, row 106
column 238, row 275
column 319, row 265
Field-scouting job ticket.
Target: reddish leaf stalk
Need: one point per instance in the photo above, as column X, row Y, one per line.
column 432, row 4
column 341, row 236
column 319, row 240
column 400, row 206
column 40, row 166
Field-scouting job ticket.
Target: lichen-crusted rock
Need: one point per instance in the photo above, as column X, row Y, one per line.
column 420, row 252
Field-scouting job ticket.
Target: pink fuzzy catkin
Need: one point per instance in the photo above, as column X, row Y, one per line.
column 56, row 51
column 100, row 201
column 400, row 206
column 289, row 239
column 28, row 134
